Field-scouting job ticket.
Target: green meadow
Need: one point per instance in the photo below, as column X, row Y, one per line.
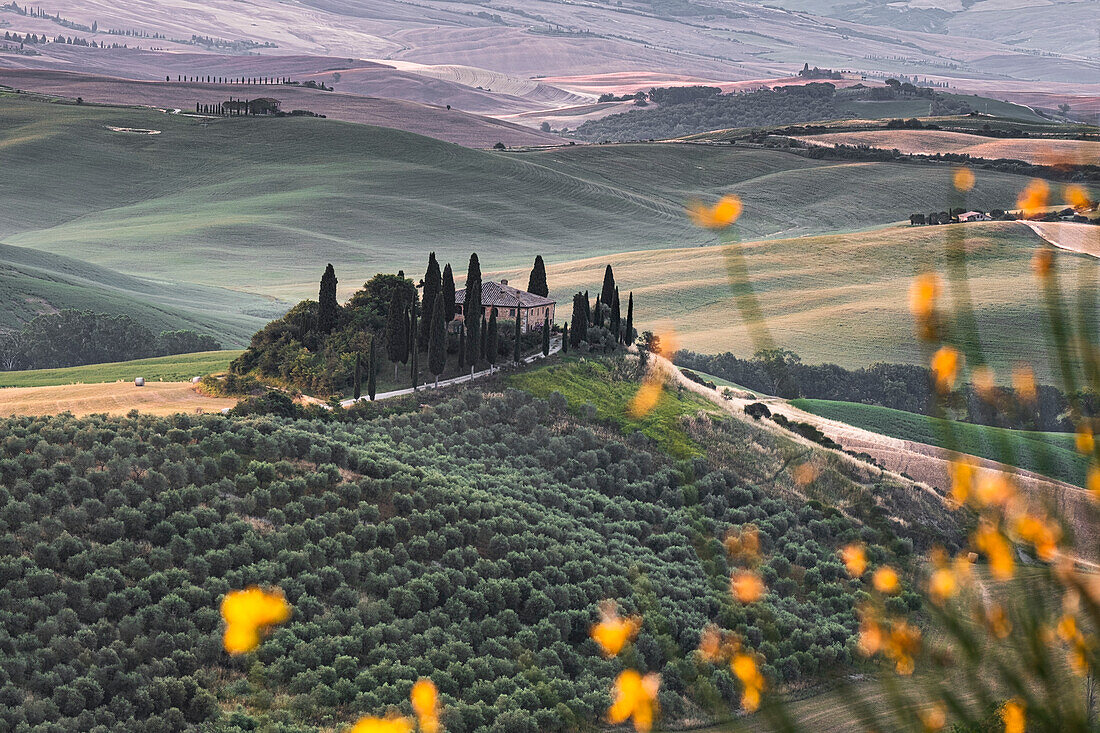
column 178, row 368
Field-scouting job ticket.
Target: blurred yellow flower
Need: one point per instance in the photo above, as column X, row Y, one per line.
column 804, row 474
column 993, row 488
column 1023, row 381
column 1067, row 627
column 870, row 633
column 989, row 541
column 248, row 614
column 996, row 620
column 964, row 179
column 715, row 645
column 1034, row 197
column 425, row 703
column 1012, row 713
column 613, row 631
column 1093, row 481
column 747, row 586
column 745, row 544
column 945, row 368
column 1042, row 534
column 902, row 644
column 923, row 293
column 635, row 698
column 1078, row 197
column 985, row 382
column 942, row 585
column 885, row 580
column 723, row 214
column 963, row 471
column 752, row 682
column 1043, row 262
column 855, row 559
column 383, row 725
column 647, row 397
column 934, row 718
column 1084, row 440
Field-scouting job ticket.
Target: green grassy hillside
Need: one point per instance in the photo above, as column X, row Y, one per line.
column 840, row 298
column 34, row 282
column 261, row 204
column 178, row 368
column 1051, row 454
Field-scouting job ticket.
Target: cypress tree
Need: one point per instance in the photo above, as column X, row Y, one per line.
column 516, row 341
column 579, row 323
column 628, row 332
column 608, row 291
column 471, row 305
column 437, row 340
column 597, row 315
column 448, row 293
column 372, row 373
column 536, row 283
column 462, row 347
column 492, row 341
column 397, row 340
column 358, row 378
column 484, row 336
column 546, row 339
column 565, row 338
column 433, row 285
column 414, row 369
column 328, row 307
column 587, row 310
column 616, row 315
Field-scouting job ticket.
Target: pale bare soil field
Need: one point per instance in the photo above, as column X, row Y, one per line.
column 451, row 125
column 115, row 398
column 1082, row 238
column 930, row 142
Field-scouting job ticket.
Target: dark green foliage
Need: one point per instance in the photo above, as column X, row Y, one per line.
column 536, row 283
column 397, row 337
column 231, row 385
column 462, row 346
column 628, row 332
column 616, row 316
column 470, row 542
column 433, row 286
column 757, row 410
column 472, row 302
column 579, row 322
column 328, row 311
column 607, row 294
column 484, row 337
column 492, row 339
column 73, row 338
column 587, row 309
column 372, row 371
column 565, row 338
column 358, row 380
column 449, row 293
column 546, row 339
column 680, row 95
column 414, row 368
column 437, row 340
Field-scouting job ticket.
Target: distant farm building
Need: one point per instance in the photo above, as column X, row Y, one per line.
column 532, row 310
column 975, row 216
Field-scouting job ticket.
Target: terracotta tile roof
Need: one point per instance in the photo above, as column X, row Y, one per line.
column 502, row 295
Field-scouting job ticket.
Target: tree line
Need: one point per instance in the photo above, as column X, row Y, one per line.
column 73, row 337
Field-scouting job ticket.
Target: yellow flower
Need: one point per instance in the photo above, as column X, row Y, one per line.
column 425, row 703
column 885, row 580
column 855, row 559
column 1084, row 440
column 1093, row 482
column 963, row 472
column 945, row 368
column 1067, row 627
column 248, row 614
column 635, row 697
column 715, row 646
column 647, row 397
column 1023, row 381
column 993, row 544
column 1043, row 262
column 964, row 179
column 870, row 632
column 383, row 725
column 996, row 620
column 745, row 544
column 1042, row 534
column 613, row 632
column 1012, row 713
column 1034, row 197
column 752, row 682
column 985, row 382
column 993, row 488
column 721, row 215
column 942, row 585
column 747, row 586
column 804, row 474
column 922, row 302
column 902, row 645
column 933, row 719
column 1078, row 197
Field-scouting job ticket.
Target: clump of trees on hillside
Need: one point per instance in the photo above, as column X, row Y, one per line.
column 602, row 325
column 73, row 337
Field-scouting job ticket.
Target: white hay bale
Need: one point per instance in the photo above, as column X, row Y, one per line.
column 139, row 382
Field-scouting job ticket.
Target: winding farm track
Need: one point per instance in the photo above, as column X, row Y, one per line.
column 926, row 465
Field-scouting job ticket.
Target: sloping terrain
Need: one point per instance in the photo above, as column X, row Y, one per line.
column 1043, row 152
column 262, row 204
column 117, row 398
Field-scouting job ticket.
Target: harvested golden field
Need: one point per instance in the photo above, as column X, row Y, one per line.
column 116, row 398
column 977, row 146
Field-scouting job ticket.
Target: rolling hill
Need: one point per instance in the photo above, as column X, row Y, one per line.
column 1043, row 152
column 260, row 205
column 838, row 298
